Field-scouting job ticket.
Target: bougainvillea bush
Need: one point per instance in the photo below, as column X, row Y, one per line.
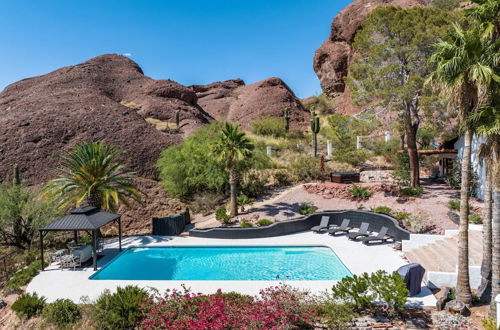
column 279, row 307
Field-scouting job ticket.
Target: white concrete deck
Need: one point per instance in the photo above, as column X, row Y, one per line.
column 54, row 283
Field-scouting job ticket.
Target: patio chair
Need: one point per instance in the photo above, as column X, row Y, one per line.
column 343, row 228
column 70, row 261
column 71, row 245
column 323, row 225
column 57, row 255
column 363, row 231
column 381, row 236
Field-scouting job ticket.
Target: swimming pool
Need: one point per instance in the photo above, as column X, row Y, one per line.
column 226, row 263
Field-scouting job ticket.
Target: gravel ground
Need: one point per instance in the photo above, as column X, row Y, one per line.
column 432, row 205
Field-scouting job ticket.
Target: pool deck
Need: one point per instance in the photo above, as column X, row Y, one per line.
column 54, row 283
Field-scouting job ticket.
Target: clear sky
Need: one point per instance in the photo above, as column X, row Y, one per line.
column 189, row 41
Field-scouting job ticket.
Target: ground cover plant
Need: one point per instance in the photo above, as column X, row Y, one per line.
column 307, row 207
column 360, row 193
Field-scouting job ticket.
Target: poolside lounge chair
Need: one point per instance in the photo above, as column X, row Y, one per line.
column 363, row 231
column 325, row 221
column 343, row 228
column 381, row 236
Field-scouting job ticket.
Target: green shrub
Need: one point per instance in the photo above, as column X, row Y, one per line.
column 269, row 126
column 221, row 215
column 282, row 178
column 254, row 185
column 28, row 305
column 355, row 290
column 360, row 193
column 401, row 173
column 412, row 192
column 454, row 204
column 307, row 169
column 354, row 157
column 119, row 310
column 22, row 277
column 244, row 200
column 489, row 324
column 475, row 218
column 62, row 312
column 265, row 222
column 335, row 315
column 382, row 209
column 307, row 208
column 246, row 224
column 402, row 215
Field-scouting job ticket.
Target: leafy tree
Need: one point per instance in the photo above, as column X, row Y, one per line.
column 232, row 147
column 92, row 173
column 394, row 45
column 467, row 66
column 22, row 212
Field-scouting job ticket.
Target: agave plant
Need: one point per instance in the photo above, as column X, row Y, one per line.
column 91, row 173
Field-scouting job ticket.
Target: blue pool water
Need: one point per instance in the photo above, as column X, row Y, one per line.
column 231, row 263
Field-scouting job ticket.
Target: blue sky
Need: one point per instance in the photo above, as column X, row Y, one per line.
column 189, row 41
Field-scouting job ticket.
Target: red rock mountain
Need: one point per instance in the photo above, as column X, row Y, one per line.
column 234, row 101
column 333, row 57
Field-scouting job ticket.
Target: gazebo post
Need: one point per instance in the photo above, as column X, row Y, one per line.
column 120, row 233
column 75, row 236
column 41, row 250
column 94, row 253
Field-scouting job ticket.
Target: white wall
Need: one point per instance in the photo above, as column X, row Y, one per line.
column 478, row 165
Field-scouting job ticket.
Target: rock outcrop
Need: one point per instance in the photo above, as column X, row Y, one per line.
column 234, row 101
column 332, row 59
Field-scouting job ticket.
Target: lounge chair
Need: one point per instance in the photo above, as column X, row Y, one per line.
column 343, row 228
column 363, row 231
column 325, row 221
column 381, row 236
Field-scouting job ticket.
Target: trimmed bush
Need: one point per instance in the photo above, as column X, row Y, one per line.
column 307, row 208
column 360, row 193
column 269, row 126
column 28, row 305
column 382, row 209
column 265, row 222
column 62, row 312
column 119, row 310
column 246, row 224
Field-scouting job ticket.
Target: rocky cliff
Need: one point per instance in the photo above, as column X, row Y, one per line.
column 332, row 59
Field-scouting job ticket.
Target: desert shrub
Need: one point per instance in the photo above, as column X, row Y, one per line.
column 269, row 126
column 254, row 184
column 355, row 290
column 243, row 201
column 221, row 215
column 360, row 193
column 206, row 201
column 401, row 172
column 62, row 312
column 489, row 324
column 475, row 218
column 282, row 178
column 352, row 157
column 411, row 192
column 306, row 169
column 454, row 204
column 307, row 207
column 382, row 209
column 402, row 215
column 119, row 310
column 265, row 222
column 189, row 167
column 388, row 150
column 28, row 305
column 418, row 223
column 246, row 224
column 22, row 277
column 335, row 315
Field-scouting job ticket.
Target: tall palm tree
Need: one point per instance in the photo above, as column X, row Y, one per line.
column 231, row 147
column 465, row 68
column 91, row 173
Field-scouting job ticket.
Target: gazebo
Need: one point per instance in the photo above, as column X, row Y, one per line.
column 84, row 218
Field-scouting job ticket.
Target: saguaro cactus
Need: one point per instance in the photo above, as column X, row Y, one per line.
column 15, row 179
column 177, row 119
column 315, row 130
column 286, row 117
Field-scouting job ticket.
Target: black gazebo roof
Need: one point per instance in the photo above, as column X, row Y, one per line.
column 82, row 218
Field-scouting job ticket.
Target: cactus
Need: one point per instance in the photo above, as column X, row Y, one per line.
column 315, row 127
column 177, row 119
column 286, row 117
column 16, row 180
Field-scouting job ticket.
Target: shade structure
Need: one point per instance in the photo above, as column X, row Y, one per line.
column 84, row 218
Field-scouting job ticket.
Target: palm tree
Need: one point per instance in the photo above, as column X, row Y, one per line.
column 231, row 147
column 465, row 68
column 91, row 173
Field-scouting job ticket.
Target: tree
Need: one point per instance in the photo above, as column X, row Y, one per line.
column 394, row 45
column 22, row 212
column 92, row 173
column 232, row 147
column 465, row 69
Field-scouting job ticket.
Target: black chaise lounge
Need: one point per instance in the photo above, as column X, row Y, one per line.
column 363, row 231
column 323, row 225
column 343, row 228
column 381, row 236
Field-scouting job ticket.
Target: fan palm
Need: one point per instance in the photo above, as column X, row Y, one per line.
column 231, row 147
column 91, row 173
column 465, row 69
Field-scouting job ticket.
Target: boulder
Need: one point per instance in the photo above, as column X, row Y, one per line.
column 457, row 307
